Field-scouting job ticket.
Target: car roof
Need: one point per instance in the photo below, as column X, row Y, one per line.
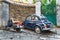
column 41, row 16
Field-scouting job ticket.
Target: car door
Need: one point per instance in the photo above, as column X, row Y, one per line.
column 34, row 20
column 28, row 22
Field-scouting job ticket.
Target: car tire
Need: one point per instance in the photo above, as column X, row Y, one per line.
column 37, row 29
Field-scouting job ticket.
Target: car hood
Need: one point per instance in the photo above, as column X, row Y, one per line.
column 45, row 22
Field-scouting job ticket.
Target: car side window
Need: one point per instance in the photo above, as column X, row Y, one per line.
column 34, row 18
column 28, row 18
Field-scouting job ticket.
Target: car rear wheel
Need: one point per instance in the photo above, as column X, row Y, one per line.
column 37, row 30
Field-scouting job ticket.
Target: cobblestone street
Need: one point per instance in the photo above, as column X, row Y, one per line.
column 28, row 35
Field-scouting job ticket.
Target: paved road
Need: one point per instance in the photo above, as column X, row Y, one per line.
column 28, row 35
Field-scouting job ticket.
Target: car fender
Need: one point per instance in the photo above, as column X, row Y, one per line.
column 39, row 26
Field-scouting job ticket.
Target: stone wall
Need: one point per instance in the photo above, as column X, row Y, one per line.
column 20, row 12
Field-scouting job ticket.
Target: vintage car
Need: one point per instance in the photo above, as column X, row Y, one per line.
column 36, row 23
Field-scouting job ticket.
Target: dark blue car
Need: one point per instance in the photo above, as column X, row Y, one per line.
column 37, row 23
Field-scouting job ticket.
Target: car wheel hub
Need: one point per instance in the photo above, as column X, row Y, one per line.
column 37, row 30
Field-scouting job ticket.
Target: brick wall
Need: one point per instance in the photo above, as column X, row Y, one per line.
column 20, row 11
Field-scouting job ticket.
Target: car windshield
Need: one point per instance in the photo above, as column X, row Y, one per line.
column 44, row 19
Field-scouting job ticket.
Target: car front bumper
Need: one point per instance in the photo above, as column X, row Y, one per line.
column 51, row 29
column 46, row 28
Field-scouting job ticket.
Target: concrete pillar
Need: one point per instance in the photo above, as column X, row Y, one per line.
column 0, row 14
column 58, row 12
column 5, row 13
column 38, row 8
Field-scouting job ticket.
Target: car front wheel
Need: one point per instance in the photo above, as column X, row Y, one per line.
column 37, row 29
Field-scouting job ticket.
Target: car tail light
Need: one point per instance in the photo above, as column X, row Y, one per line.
column 45, row 26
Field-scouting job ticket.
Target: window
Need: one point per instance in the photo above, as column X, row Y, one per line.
column 28, row 18
column 34, row 18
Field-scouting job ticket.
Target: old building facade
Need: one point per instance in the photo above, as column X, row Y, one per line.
column 17, row 11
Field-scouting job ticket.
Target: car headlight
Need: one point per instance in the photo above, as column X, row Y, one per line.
column 44, row 24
